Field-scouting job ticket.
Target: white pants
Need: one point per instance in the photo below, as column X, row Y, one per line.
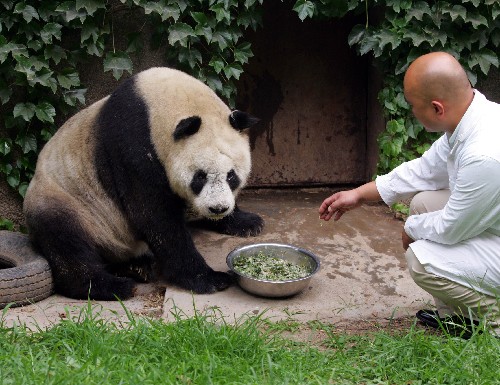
column 450, row 297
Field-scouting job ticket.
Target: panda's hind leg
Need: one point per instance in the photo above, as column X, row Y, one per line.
column 141, row 269
column 77, row 268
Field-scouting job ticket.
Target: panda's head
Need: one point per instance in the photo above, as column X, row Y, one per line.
column 202, row 144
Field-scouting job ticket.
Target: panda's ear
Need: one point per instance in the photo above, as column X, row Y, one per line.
column 241, row 120
column 187, row 127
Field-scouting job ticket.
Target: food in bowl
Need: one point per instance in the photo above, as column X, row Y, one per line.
column 272, row 287
column 269, row 267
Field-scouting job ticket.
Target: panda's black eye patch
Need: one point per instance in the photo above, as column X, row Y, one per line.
column 233, row 180
column 187, row 127
column 199, row 180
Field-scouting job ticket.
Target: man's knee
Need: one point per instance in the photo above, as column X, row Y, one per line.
column 428, row 201
column 416, row 270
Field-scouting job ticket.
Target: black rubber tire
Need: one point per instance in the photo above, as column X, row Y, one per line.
column 27, row 277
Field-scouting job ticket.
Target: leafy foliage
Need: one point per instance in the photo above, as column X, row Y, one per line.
column 43, row 42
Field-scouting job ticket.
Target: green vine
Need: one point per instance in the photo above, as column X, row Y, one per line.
column 43, row 44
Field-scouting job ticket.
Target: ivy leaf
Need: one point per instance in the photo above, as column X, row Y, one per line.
column 418, row 11
column 89, row 30
column 388, row 37
column 96, row 49
column 233, row 70
column 27, row 143
column 485, row 58
column 91, row 6
column 13, row 178
column 182, row 4
column 44, row 78
column 54, row 52
column 495, row 37
column 35, row 45
column 221, row 12
column 16, row 50
column 49, row 31
column 304, row 9
column 23, row 187
column 476, row 19
column 214, row 82
column 45, row 112
column 356, row 35
column 249, row 19
column 222, row 38
column 68, row 79
column 367, row 44
column 27, row 11
column 416, row 37
column 170, row 11
column 250, row 3
column 243, row 52
column 7, row 4
column 217, row 63
column 199, row 17
column 5, row 92
column 204, row 31
column 152, row 6
column 69, row 11
column 191, row 56
column 458, row 11
column 5, row 146
column 118, row 62
column 46, row 134
column 24, row 110
column 74, row 96
column 180, row 33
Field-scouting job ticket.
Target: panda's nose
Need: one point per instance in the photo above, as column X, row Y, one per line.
column 218, row 209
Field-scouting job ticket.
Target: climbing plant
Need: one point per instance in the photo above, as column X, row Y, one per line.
column 44, row 43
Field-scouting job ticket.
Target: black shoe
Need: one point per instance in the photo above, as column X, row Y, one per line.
column 455, row 325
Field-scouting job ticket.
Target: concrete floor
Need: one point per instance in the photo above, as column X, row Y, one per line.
column 363, row 273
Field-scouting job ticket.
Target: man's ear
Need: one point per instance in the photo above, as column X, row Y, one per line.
column 438, row 107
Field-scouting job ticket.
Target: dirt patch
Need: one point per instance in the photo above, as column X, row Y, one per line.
column 319, row 334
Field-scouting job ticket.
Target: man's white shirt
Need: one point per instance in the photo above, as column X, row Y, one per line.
column 462, row 241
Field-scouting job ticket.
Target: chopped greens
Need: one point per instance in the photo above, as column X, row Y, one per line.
column 262, row 266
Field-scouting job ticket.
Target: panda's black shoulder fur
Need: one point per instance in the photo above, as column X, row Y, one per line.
column 125, row 158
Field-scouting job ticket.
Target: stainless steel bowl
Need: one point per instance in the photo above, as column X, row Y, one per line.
column 266, row 288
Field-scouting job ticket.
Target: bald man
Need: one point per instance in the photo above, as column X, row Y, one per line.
column 452, row 236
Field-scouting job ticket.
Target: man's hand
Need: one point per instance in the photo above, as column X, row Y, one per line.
column 406, row 240
column 336, row 205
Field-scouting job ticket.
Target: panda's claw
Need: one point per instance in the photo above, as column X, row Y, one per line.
column 205, row 283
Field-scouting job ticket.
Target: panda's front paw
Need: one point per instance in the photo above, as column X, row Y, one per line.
column 206, row 282
column 244, row 224
column 238, row 223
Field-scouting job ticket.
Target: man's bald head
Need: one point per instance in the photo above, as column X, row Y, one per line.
column 438, row 80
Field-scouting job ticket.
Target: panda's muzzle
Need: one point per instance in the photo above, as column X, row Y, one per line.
column 218, row 210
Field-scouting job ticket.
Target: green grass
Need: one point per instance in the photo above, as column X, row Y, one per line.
column 206, row 349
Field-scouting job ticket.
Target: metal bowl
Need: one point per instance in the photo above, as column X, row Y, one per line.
column 266, row 288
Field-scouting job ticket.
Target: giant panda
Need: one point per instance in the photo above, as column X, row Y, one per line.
column 122, row 178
